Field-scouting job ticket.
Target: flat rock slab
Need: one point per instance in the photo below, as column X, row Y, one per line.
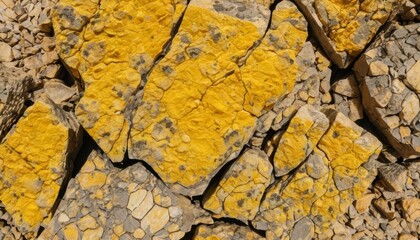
column 202, row 100
column 239, row 192
column 104, row 202
column 344, row 28
column 14, row 87
column 34, row 160
column 388, row 73
column 337, row 171
column 222, row 230
column 110, row 45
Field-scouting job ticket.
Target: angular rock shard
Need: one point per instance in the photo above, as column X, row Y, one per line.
column 301, row 137
column 344, row 28
column 105, row 202
column 111, row 45
column 239, row 192
column 337, row 171
column 201, row 101
column 34, row 160
column 222, row 230
column 388, row 73
column 14, row 87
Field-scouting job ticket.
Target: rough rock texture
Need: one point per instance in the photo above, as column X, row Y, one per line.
column 344, row 28
column 32, row 169
column 336, row 172
column 389, row 74
column 105, row 202
column 221, row 231
column 111, row 45
column 14, row 87
column 188, row 133
column 347, row 97
column 239, row 192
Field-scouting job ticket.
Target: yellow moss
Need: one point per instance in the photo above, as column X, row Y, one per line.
column 32, row 162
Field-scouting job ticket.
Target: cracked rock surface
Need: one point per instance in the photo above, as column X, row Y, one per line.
column 32, row 169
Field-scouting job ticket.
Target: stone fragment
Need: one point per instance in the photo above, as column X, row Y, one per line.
column 344, row 28
column 347, row 97
column 390, row 99
column 239, row 192
column 111, row 48
column 222, row 230
column 105, row 202
column 194, row 131
column 35, row 160
column 362, row 205
column 14, row 87
column 394, row 176
column 6, row 54
column 58, row 92
column 300, row 138
column 411, row 209
column 384, row 208
column 321, row 198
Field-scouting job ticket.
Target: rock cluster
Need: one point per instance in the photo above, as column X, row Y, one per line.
column 244, row 119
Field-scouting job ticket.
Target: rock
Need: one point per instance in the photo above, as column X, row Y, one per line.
column 406, row 236
column 239, row 192
column 222, row 230
column 344, row 28
column 378, row 68
column 390, row 99
column 57, row 91
column 411, row 209
column 394, row 176
column 300, row 138
column 103, row 201
column 32, row 169
column 347, row 97
column 194, row 131
column 384, row 208
column 111, row 58
column 362, row 205
column 322, row 197
column 6, row 54
column 14, row 87
column 413, row 77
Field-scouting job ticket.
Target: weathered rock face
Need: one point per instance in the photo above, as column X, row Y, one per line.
column 105, row 202
column 34, row 160
column 347, row 97
column 389, row 75
column 337, row 171
column 201, row 102
column 14, row 86
column 219, row 231
column 111, row 45
column 239, row 192
column 344, row 28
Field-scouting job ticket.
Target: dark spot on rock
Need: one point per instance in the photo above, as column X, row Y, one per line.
column 140, row 144
column 167, row 69
column 335, row 134
column 182, row 168
column 86, row 53
column 240, row 203
column 193, row 52
column 330, row 209
column 218, row 7
column 180, row 58
column 107, row 134
column 285, row 209
column 184, row 39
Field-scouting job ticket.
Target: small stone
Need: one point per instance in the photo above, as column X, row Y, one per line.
column 394, row 176
column 6, row 54
column 362, row 204
column 378, row 68
column 57, row 91
column 413, row 77
column 411, row 209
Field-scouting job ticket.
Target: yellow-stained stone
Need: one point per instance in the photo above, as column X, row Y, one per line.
column 345, row 27
column 110, row 48
column 300, row 138
column 222, row 231
column 33, row 163
column 340, row 173
column 239, row 193
column 71, row 232
column 201, row 101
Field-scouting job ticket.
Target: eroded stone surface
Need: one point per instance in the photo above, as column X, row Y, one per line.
column 337, row 171
column 239, row 192
column 220, row 231
column 344, row 28
column 34, row 160
column 390, row 97
column 14, row 86
column 111, row 45
column 347, row 97
column 187, row 133
column 105, row 202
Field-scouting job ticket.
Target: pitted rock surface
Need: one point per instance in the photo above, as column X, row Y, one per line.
column 104, row 202
column 336, row 172
column 344, row 28
column 239, row 192
column 389, row 75
column 32, row 169
column 188, row 133
column 14, row 91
